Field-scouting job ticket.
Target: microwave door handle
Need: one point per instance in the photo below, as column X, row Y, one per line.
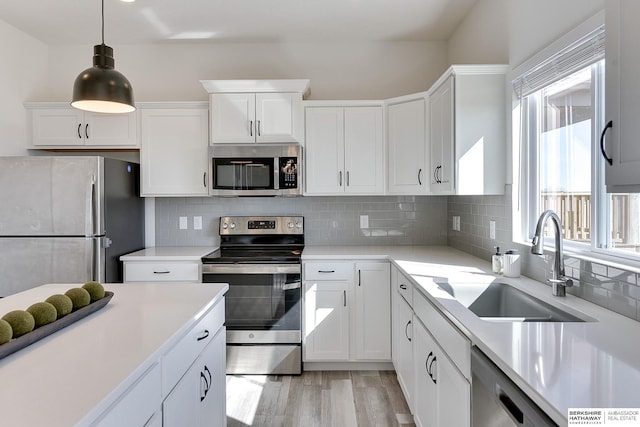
column 276, row 173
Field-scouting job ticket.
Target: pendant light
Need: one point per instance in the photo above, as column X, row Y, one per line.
column 101, row 88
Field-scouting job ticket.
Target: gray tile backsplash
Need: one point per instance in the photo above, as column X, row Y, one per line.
column 393, row 220
column 402, row 220
column 609, row 287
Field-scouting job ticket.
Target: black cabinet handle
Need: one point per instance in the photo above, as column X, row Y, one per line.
column 162, row 272
column 604, row 153
column 79, row 127
column 326, row 271
column 429, row 366
column 86, row 130
column 204, row 335
column 344, row 298
column 359, row 277
column 250, row 127
column 259, row 131
column 419, row 173
column 403, row 287
column 405, row 330
column 205, row 382
column 204, row 179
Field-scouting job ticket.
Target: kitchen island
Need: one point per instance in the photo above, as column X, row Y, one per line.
column 122, row 365
column 559, row 365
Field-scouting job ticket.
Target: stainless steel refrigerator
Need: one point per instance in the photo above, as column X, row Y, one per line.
column 67, row 219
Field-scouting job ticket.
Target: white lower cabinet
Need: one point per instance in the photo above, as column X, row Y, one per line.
column 402, row 325
column 198, row 398
column 347, row 311
column 442, row 393
column 326, row 321
column 432, row 362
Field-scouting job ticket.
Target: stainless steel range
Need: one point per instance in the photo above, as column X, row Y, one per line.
column 260, row 259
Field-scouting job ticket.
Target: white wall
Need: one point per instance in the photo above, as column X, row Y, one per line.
column 23, row 72
column 483, row 36
column 171, row 72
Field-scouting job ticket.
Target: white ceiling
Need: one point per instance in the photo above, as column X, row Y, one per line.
column 153, row 21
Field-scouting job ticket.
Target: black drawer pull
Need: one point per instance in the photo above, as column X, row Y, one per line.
column 326, row 271
column 204, row 335
column 162, row 272
column 403, row 287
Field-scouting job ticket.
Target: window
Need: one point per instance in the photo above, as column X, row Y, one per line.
column 561, row 115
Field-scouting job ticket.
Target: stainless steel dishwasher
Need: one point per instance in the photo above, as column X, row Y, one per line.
column 497, row 401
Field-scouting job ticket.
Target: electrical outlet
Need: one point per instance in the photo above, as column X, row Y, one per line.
column 364, row 221
column 197, row 223
column 455, row 223
column 183, row 223
column 492, row 229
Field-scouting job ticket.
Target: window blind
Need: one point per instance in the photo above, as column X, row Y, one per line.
column 579, row 54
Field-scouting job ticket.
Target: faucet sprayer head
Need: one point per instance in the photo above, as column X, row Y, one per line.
column 537, row 247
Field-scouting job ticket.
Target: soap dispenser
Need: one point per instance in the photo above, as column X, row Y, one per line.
column 496, row 261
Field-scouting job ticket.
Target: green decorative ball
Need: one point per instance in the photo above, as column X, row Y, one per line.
column 79, row 297
column 6, row 331
column 43, row 313
column 22, row 322
column 62, row 303
column 95, row 289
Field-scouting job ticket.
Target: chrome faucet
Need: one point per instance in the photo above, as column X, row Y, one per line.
column 558, row 280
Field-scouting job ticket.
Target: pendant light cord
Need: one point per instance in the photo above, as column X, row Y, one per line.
column 103, row 22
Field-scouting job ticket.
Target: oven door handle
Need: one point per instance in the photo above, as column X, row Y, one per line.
column 291, row 286
column 251, row 268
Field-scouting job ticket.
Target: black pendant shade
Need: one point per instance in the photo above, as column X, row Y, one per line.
column 101, row 88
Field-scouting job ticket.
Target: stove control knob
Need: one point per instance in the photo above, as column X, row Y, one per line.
column 232, row 226
column 225, row 225
column 290, row 225
column 298, row 225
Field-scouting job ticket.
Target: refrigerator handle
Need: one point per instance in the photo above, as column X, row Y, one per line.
column 94, row 211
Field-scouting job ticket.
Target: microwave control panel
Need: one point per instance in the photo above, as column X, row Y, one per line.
column 288, row 172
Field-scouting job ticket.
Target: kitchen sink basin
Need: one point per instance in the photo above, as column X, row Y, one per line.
column 503, row 302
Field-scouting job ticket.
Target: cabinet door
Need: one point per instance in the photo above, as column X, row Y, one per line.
column 441, row 125
column 233, row 118
column 111, row 130
column 363, row 158
column 373, row 311
column 52, row 127
column 443, row 392
column 174, row 152
column 199, row 397
column 406, row 124
column 324, row 145
column 276, row 116
column 326, row 321
column 403, row 349
column 622, row 94
column 426, row 356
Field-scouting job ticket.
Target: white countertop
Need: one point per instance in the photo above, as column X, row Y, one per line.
column 169, row 253
column 76, row 373
column 559, row 365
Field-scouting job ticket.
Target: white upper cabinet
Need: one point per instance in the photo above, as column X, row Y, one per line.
column 57, row 125
column 622, row 93
column 344, row 149
column 467, row 130
column 256, row 111
column 406, row 152
column 174, row 150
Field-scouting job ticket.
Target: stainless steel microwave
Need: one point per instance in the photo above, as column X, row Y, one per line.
column 255, row 170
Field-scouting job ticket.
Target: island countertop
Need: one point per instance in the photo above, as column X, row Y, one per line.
column 73, row 375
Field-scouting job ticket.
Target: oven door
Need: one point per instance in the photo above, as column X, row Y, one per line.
column 263, row 304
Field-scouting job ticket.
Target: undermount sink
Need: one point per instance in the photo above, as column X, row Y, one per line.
column 503, row 302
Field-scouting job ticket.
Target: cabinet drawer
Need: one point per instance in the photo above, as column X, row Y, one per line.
column 405, row 288
column 178, row 359
column 453, row 342
column 138, row 404
column 328, row 270
column 169, row 271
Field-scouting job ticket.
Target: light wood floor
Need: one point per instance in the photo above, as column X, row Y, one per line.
column 317, row 399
